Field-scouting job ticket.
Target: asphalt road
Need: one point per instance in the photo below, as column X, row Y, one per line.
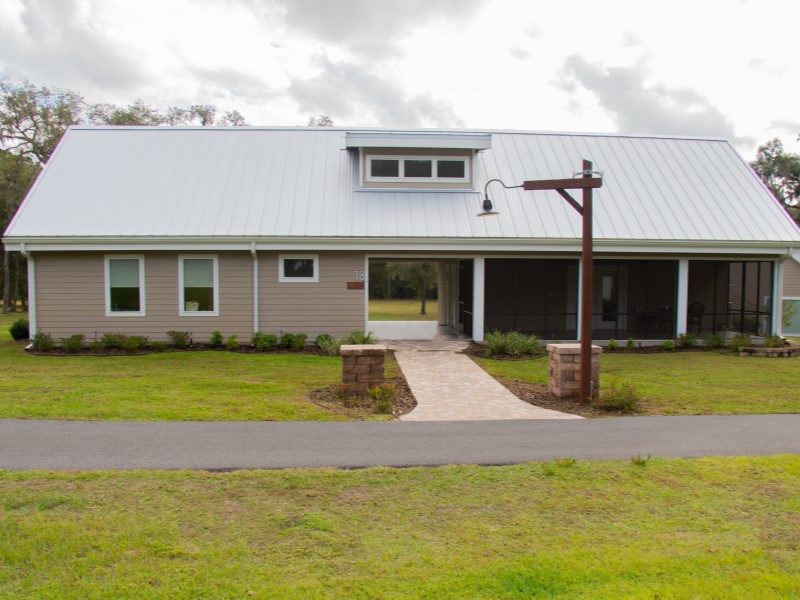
column 31, row 444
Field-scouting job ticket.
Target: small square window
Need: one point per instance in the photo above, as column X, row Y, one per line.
column 455, row 169
column 381, row 167
column 298, row 268
column 418, row 168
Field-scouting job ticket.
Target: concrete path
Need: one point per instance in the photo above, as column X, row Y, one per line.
column 28, row 444
column 451, row 387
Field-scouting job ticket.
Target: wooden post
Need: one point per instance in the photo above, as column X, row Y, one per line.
column 586, row 291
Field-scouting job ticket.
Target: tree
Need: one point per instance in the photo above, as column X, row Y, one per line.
column 33, row 119
column 421, row 277
column 780, row 171
column 137, row 113
column 17, row 174
column 320, row 121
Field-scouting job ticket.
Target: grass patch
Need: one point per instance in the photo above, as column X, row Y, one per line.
column 669, row 528
column 686, row 383
column 402, row 310
column 171, row 386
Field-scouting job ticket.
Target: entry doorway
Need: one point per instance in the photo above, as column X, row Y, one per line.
column 610, row 293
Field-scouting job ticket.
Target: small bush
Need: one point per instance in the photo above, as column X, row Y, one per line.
column 43, row 342
column 630, row 344
column 612, row 345
column 641, row 461
column 19, row 330
column 216, row 339
column 113, row 341
column 714, row 341
column 773, row 341
column 231, row 343
column 134, row 343
column 359, row 338
column 383, row 397
column 668, row 345
column 73, row 343
column 619, row 396
column 739, row 341
column 512, row 343
column 158, row 346
column 179, row 339
column 287, row 340
column 264, row 342
column 348, row 397
column 328, row 344
column 299, row 342
column 686, row 340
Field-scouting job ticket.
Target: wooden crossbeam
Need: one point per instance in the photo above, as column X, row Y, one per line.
column 563, row 184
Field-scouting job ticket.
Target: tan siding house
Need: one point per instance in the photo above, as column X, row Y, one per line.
column 277, row 229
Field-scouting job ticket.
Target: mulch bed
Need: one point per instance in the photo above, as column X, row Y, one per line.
column 404, row 402
column 537, row 394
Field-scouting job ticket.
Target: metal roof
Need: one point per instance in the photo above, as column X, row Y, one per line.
column 261, row 183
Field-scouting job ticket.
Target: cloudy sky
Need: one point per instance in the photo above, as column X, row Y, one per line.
column 719, row 68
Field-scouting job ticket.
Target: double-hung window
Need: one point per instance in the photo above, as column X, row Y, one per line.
column 198, row 277
column 124, row 283
column 416, row 169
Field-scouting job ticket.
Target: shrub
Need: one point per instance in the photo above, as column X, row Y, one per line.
column 348, row 397
column 158, row 346
column 231, row 343
column 263, row 342
column 299, row 342
column 512, row 343
column 739, row 341
column 686, row 340
column 19, row 330
column 358, row 338
column 73, row 343
column 179, row 339
column 215, row 339
column 328, row 344
column 383, row 397
column 113, row 341
column 134, row 343
column 612, row 345
column 287, row 340
column 714, row 341
column 630, row 344
column 42, row 342
column 668, row 345
column 773, row 341
column 619, row 396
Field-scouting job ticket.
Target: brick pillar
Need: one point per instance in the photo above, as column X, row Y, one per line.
column 363, row 366
column 564, row 373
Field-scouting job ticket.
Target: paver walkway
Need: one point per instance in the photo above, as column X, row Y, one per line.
column 451, row 387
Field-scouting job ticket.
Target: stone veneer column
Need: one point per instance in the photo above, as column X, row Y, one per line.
column 363, row 366
column 564, row 371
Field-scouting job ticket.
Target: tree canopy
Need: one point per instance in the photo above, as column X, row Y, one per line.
column 780, row 171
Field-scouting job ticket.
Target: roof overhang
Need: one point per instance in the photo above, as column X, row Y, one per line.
column 391, row 139
column 367, row 244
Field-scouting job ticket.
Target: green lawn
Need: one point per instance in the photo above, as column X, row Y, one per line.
column 700, row 528
column 402, row 310
column 183, row 386
column 687, row 383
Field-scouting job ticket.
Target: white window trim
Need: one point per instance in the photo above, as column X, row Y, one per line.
column 107, row 261
column 283, row 279
column 402, row 178
column 215, row 274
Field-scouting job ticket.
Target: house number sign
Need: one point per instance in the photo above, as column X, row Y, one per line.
column 360, row 276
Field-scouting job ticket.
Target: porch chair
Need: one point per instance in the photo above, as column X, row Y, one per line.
column 694, row 316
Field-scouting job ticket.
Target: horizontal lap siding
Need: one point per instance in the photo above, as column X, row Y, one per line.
column 70, row 295
column 791, row 279
column 326, row 306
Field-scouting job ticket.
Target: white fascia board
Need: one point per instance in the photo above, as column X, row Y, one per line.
column 480, row 245
column 466, row 141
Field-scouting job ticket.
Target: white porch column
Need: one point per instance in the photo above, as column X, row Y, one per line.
column 478, row 292
column 682, row 308
column 777, row 298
